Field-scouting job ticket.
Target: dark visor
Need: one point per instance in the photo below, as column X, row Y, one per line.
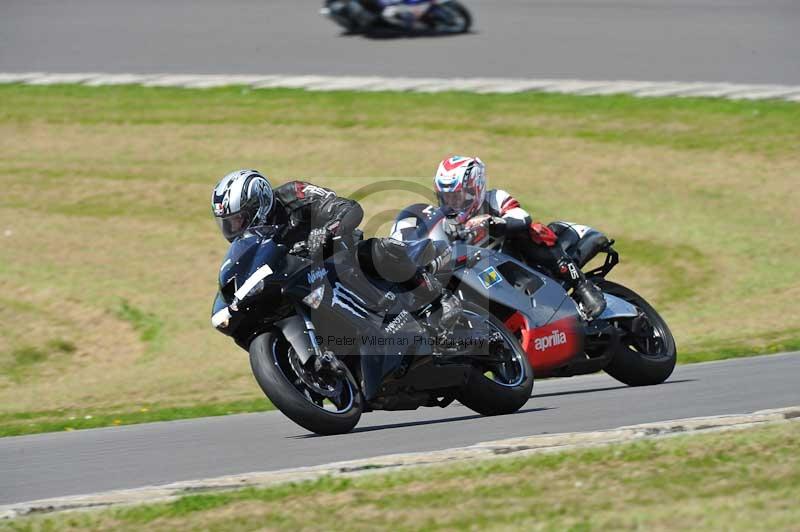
column 457, row 201
column 234, row 225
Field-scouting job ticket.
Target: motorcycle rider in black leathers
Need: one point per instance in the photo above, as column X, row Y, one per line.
column 244, row 200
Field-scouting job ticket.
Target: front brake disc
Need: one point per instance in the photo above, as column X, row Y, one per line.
column 313, row 380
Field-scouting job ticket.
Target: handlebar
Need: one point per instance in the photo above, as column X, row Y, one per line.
column 465, row 234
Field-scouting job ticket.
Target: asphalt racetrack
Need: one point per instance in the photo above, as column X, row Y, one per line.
column 753, row 41
column 70, row 463
column 653, row 40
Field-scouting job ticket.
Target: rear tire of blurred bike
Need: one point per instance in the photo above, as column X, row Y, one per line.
column 452, row 18
column 322, row 404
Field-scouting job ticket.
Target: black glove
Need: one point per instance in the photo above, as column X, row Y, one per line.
column 497, row 227
column 316, row 240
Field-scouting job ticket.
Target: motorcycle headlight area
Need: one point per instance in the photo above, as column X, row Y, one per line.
column 254, row 284
column 314, row 299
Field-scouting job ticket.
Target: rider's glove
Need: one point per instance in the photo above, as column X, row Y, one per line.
column 478, row 226
column 316, row 240
column 541, row 234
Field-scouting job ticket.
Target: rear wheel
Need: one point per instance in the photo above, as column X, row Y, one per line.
column 324, row 404
column 496, row 388
column 450, row 17
column 647, row 354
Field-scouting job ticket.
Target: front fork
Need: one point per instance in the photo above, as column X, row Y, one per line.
column 310, row 330
column 323, row 360
column 299, row 331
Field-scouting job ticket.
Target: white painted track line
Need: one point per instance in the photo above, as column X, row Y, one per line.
column 644, row 89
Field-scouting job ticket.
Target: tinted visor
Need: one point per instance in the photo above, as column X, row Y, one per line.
column 458, row 201
column 234, row 225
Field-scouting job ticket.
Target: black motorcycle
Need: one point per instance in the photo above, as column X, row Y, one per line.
column 629, row 340
column 328, row 341
column 436, row 17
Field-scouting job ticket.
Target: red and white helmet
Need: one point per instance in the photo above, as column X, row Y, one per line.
column 460, row 184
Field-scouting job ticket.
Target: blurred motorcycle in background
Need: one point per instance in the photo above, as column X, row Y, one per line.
column 406, row 16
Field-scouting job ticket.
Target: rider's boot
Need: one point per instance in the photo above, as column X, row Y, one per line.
column 451, row 311
column 590, row 298
column 428, row 289
column 588, row 295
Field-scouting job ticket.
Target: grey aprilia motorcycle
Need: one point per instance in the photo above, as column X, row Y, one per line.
column 629, row 340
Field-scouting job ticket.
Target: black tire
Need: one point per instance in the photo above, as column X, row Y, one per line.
column 634, row 367
column 342, row 18
column 462, row 12
column 264, row 352
column 488, row 397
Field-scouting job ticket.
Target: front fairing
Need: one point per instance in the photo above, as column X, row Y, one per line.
column 246, row 255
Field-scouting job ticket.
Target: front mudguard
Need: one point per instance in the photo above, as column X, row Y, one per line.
column 299, row 337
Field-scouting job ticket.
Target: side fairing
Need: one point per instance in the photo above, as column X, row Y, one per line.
column 356, row 317
column 553, row 344
column 537, row 297
column 543, row 316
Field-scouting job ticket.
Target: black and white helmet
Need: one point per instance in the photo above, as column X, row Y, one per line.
column 240, row 200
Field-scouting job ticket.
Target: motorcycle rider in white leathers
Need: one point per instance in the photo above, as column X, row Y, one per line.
column 461, row 188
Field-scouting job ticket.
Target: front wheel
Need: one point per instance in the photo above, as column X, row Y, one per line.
column 647, row 352
column 496, row 388
column 324, row 404
column 341, row 12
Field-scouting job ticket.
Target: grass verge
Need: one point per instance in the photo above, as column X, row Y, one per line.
column 107, row 244
column 21, row 423
column 738, row 480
